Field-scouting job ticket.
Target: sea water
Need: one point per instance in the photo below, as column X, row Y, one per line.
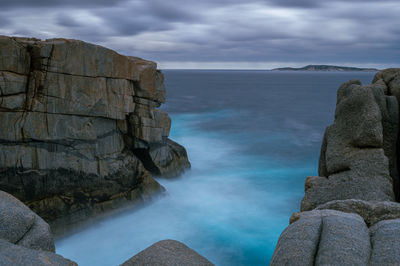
column 252, row 138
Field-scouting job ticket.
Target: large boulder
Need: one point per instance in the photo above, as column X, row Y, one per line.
column 167, row 253
column 20, row 226
column 78, row 127
column 358, row 150
column 324, row 237
column 16, row 255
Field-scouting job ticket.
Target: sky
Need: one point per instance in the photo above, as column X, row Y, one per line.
column 220, row 34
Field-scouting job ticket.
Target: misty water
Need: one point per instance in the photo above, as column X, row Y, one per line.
column 252, row 138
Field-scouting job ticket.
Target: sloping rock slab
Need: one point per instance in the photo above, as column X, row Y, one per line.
column 168, row 253
column 15, row 255
column 21, row 226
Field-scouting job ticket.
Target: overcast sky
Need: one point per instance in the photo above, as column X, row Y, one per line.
column 220, row 33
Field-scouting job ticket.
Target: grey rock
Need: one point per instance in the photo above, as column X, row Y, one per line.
column 78, row 127
column 324, row 237
column 167, row 253
column 386, row 243
column 371, row 212
column 299, row 242
column 344, row 240
column 354, row 155
column 390, row 78
column 21, row 226
column 15, row 255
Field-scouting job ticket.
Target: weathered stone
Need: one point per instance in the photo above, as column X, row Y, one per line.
column 21, row 226
column 385, row 242
column 324, row 237
column 14, row 57
column 354, row 154
column 391, row 78
column 16, row 255
column 168, row 253
column 170, row 160
column 371, row 212
column 299, row 242
column 75, row 119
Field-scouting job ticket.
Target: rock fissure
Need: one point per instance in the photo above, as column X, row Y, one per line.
column 69, row 148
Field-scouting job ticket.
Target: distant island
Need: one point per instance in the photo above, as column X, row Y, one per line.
column 324, row 68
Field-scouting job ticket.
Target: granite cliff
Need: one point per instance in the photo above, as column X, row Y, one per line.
column 80, row 132
column 350, row 213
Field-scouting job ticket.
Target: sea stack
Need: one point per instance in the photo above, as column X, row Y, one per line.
column 80, row 132
column 350, row 213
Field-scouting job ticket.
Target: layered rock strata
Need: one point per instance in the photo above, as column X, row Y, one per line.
column 349, row 214
column 25, row 239
column 80, row 132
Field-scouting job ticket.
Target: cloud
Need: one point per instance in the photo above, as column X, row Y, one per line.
column 213, row 32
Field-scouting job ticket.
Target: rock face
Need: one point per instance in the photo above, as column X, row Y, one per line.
column 349, row 214
column 25, row 239
column 21, row 226
column 79, row 128
column 168, row 253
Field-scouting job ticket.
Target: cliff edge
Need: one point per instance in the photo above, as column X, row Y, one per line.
column 80, row 132
column 350, row 213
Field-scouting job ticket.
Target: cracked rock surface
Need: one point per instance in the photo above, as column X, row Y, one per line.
column 79, row 129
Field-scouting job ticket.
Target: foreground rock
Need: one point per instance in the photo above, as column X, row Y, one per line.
column 349, row 212
column 168, row 253
column 79, row 129
column 25, row 239
column 19, row 225
column 15, row 255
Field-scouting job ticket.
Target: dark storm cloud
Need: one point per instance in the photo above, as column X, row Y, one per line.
column 225, row 31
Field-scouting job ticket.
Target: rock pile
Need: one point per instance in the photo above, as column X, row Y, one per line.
column 349, row 214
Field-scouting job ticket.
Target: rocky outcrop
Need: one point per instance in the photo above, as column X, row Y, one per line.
column 79, row 128
column 25, row 239
column 349, row 214
column 168, row 253
column 19, row 225
column 15, row 255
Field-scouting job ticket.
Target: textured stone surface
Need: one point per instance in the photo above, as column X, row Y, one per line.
column 168, row 253
column 79, row 128
column 357, row 184
column 21, row 226
column 371, row 212
column 324, row 237
column 15, row 255
column 354, row 156
column 386, row 243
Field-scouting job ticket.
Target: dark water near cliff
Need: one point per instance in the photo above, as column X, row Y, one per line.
column 252, row 137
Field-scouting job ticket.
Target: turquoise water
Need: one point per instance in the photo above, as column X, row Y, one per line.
column 252, row 138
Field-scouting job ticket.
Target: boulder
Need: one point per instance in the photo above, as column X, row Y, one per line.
column 20, row 226
column 16, row 255
column 167, row 253
column 371, row 212
column 80, row 130
column 324, row 237
column 358, row 152
column 385, row 242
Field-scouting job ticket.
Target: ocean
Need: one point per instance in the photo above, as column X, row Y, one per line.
column 252, row 138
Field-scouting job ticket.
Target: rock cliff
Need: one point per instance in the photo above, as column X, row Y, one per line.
column 349, row 214
column 80, row 132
